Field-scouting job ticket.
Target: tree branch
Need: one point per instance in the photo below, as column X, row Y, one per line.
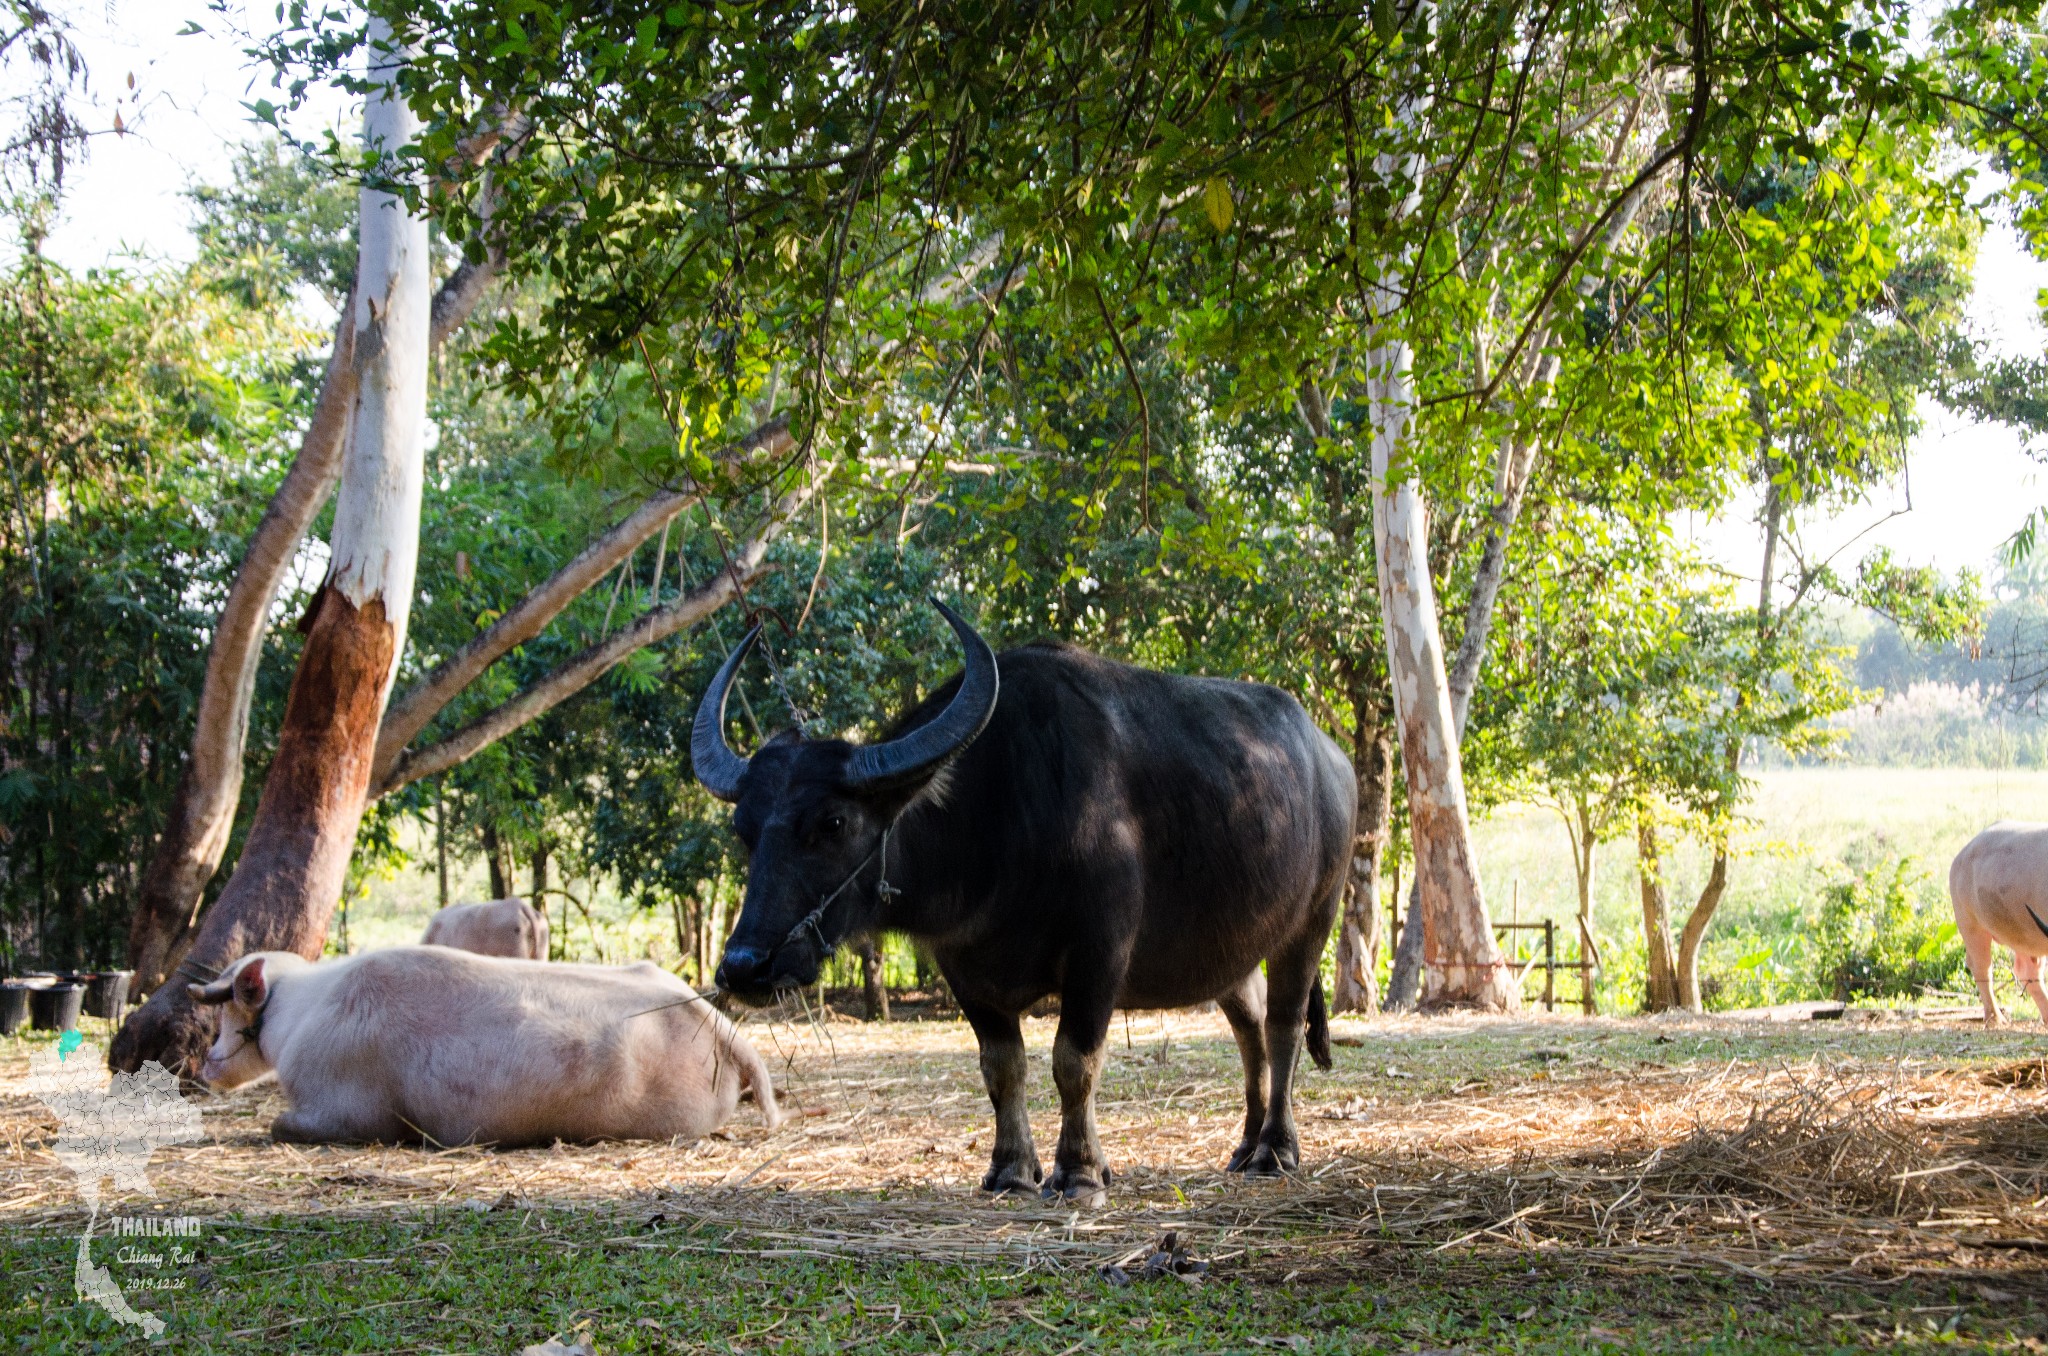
column 586, row 668
column 414, row 709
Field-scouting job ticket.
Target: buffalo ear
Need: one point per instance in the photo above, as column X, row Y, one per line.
column 250, row 986
column 211, row 995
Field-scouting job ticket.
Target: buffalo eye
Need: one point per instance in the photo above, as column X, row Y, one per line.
column 835, row 824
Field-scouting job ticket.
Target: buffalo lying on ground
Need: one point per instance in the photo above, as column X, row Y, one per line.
column 1051, row 822
column 427, row 1043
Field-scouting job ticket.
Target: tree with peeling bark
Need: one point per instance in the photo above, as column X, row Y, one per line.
column 279, row 209
column 290, row 873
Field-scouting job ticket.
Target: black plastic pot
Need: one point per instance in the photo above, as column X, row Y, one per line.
column 106, row 994
column 54, row 1007
column 13, row 1006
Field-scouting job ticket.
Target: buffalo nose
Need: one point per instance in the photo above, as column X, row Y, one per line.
column 744, row 967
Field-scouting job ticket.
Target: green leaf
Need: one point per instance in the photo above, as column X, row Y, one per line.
column 1217, row 204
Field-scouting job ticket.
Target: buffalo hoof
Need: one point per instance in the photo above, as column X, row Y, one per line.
column 1244, row 1154
column 1079, row 1186
column 1269, row 1160
column 1004, row 1178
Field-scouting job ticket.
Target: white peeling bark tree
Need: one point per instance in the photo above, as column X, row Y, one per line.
column 1462, row 964
column 1532, row 380
column 291, row 870
column 201, row 817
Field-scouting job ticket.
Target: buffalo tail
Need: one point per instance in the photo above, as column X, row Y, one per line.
column 1319, row 1025
column 2037, row 919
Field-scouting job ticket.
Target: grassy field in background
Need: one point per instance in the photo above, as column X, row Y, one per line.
column 1804, row 825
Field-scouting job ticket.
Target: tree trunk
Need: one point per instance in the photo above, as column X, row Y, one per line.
column 1358, row 942
column 290, row 875
column 441, row 844
column 201, row 817
column 1513, row 472
column 1462, row 965
column 1696, row 930
column 1404, row 977
column 874, row 985
column 540, row 876
column 1460, row 961
column 497, row 862
column 1661, row 964
column 1585, row 844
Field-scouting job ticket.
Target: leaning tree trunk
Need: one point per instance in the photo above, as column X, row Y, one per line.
column 1358, row 940
column 202, row 812
column 1660, row 968
column 1696, row 930
column 1513, row 471
column 290, row 874
column 1461, row 962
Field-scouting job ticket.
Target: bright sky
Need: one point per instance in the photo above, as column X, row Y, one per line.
column 1970, row 485
column 184, row 119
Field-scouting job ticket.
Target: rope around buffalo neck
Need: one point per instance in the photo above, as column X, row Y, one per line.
column 883, row 890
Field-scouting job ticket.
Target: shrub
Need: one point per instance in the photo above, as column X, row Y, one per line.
column 1885, row 932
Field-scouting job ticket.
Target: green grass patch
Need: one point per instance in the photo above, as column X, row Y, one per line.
column 462, row 1281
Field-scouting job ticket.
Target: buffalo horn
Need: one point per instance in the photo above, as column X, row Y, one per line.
column 923, row 749
column 717, row 766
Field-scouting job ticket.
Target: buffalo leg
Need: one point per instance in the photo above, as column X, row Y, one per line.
column 1977, row 946
column 2027, row 970
column 1013, row 1164
column 302, row 1126
column 1245, row 1007
column 1289, row 977
column 1079, row 1173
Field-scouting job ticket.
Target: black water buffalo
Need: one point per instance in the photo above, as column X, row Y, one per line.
column 1119, row 837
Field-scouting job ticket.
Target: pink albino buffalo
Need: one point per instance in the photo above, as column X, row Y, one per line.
column 1999, row 887
column 425, row 1043
column 498, row 927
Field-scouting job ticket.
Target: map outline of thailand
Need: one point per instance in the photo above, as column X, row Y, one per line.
column 108, row 1128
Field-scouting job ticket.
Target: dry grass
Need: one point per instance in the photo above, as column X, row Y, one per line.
column 1637, row 1146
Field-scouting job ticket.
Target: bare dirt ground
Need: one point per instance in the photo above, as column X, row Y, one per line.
column 1815, row 1150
